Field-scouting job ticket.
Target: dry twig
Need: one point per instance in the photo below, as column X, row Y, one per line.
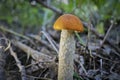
column 12, row 32
column 41, row 41
column 31, row 52
column 54, row 9
column 102, row 37
column 50, row 40
column 20, row 66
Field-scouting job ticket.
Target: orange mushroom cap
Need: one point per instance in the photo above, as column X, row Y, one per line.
column 68, row 22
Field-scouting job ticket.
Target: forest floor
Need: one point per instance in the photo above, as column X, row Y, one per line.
column 34, row 56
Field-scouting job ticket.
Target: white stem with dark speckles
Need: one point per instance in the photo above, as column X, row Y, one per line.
column 66, row 54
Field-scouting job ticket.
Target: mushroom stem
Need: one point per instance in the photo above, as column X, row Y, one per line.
column 66, row 54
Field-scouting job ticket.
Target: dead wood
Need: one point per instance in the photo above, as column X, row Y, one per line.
column 31, row 52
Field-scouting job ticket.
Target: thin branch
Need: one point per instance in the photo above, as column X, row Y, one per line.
column 102, row 37
column 31, row 52
column 20, row 66
column 12, row 32
column 50, row 40
column 54, row 9
column 41, row 41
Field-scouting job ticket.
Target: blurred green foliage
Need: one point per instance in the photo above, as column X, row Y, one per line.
column 21, row 11
column 100, row 28
column 95, row 11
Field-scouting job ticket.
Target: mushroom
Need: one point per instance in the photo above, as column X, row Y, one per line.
column 68, row 23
